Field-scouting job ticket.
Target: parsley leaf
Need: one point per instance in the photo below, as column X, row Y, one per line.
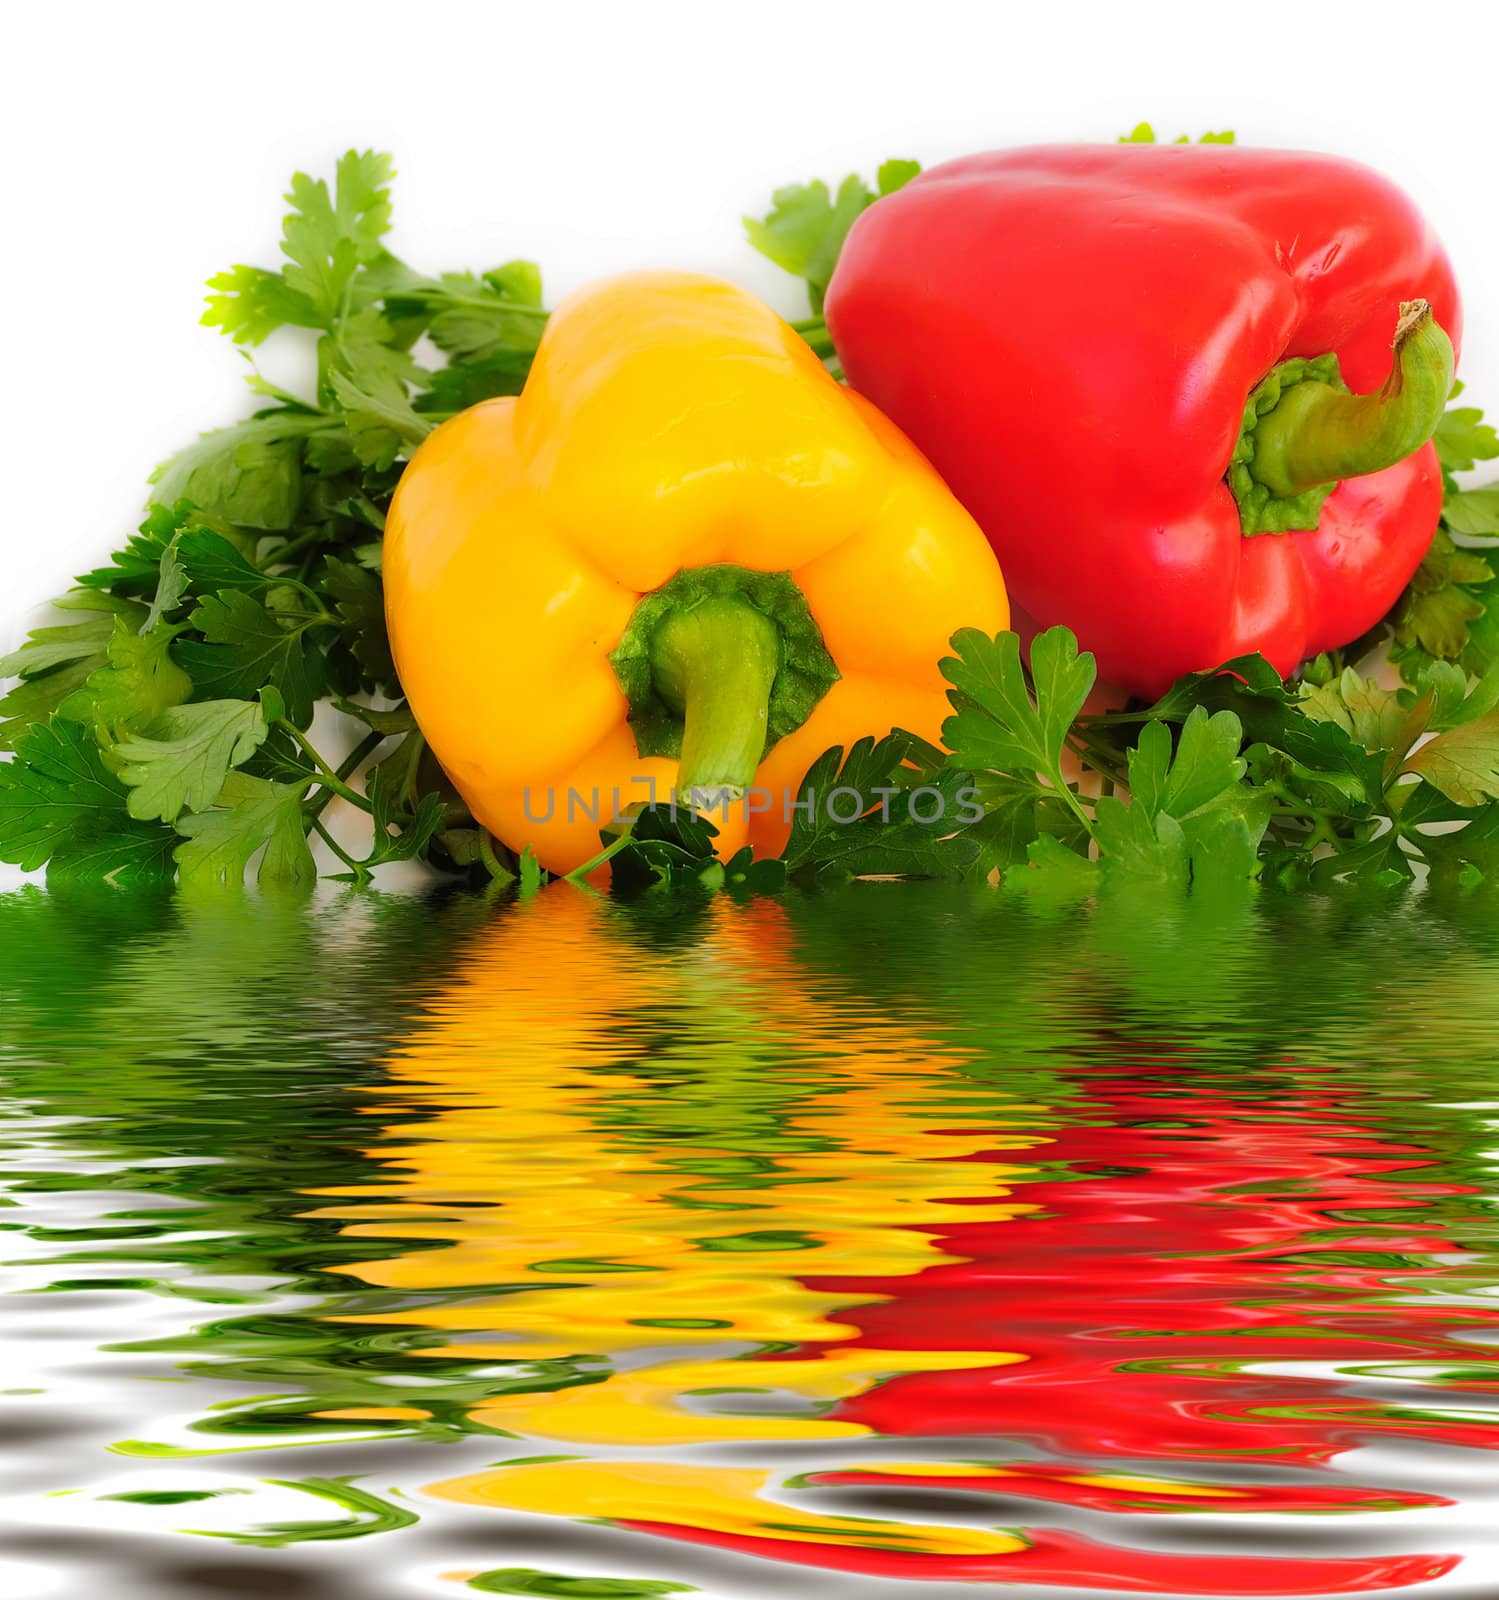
column 1469, row 855
column 1143, row 133
column 1054, row 872
column 46, row 648
column 57, row 662
column 1190, row 816
column 1008, row 827
column 34, row 701
column 325, row 238
column 182, row 766
column 171, row 586
column 249, row 304
column 359, row 601
column 1450, row 610
column 1205, row 764
column 1473, row 513
column 805, row 229
column 1378, row 719
column 1318, row 759
column 59, row 802
column 381, row 419
column 664, row 847
column 249, row 474
column 211, row 563
column 477, row 318
column 895, row 174
column 138, row 684
column 400, row 833
column 1463, row 763
column 252, row 813
column 129, row 854
column 807, row 224
column 1138, row 847
column 136, row 567
column 998, row 726
column 460, row 385
column 887, row 808
column 1443, row 599
column 247, row 647
column 1463, row 439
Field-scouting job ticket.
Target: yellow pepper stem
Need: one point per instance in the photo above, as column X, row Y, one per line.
column 714, row 663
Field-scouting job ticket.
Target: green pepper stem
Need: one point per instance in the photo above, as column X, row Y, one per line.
column 714, row 662
column 1317, row 434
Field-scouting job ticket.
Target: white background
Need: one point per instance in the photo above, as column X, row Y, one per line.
column 147, row 145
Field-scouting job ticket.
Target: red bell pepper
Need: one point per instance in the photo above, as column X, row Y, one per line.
column 1130, row 363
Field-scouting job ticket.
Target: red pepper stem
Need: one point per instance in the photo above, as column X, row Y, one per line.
column 715, row 662
column 1316, row 434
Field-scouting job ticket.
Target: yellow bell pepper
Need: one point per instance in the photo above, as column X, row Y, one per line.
column 685, row 558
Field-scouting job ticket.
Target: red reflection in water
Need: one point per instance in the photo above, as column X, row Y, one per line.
column 1057, row 1558
column 1228, row 1234
column 1135, row 1295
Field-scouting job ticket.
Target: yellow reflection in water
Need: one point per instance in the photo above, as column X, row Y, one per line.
column 714, row 1499
column 635, row 1154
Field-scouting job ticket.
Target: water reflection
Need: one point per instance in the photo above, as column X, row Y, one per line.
column 904, row 1232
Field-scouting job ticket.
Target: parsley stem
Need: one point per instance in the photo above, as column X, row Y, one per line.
column 1292, row 805
column 314, row 535
column 309, row 619
column 492, row 863
column 578, row 874
column 1103, row 760
column 327, row 776
column 815, row 331
column 1075, row 806
column 360, row 871
column 346, row 769
column 492, row 304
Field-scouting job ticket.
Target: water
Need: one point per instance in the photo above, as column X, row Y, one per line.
column 869, row 1244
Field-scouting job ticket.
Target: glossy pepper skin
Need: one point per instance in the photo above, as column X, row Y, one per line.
column 671, row 424
column 1071, row 333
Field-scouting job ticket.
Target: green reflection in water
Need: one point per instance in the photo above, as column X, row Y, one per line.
column 584, row 1185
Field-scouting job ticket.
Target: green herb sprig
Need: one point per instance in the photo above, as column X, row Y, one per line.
column 171, row 726
column 176, row 722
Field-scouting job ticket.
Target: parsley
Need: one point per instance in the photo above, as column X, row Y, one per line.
column 250, row 474
column 198, row 652
column 138, row 684
column 358, row 599
column 1450, row 610
column 1462, row 763
column 46, row 648
column 164, row 723
column 182, row 767
column 326, row 238
column 1005, row 724
column 807, row 223
column 805, row 229
column 56, row 662
column 1463, row 439
column 1143, row 133
column 252, row 814
column 245, row 646
column 1189, row 816
column 59, row 803
column 882, row 808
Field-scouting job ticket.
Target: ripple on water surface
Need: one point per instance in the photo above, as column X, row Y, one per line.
column 580, row 1249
